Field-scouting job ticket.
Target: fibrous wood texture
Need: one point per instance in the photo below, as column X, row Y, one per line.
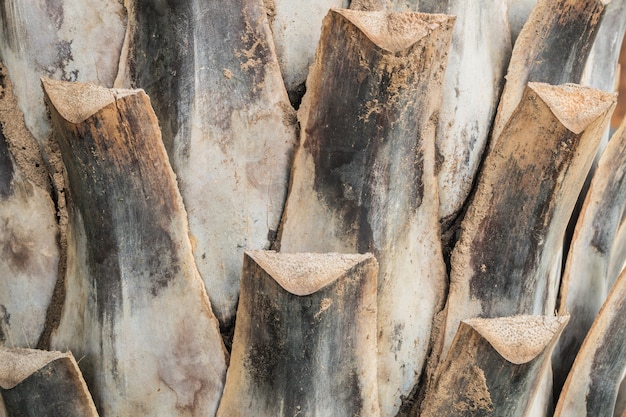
column 513, row 230
column 305, row 337
column 601, row 67
column 135, row 308
column 227, row 125
column 29, row 249
column 296, row 26
column 493, row 367
column 42, row 383
column 552, row 48
column 71, row 40
column 479, row 54
column 593, row 382
column 587, row 278
column 364, row 176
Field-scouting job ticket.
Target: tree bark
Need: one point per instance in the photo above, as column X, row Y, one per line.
column 135, row 307
column 513, row 230
column 227, row 125
column 552, row 48
column 41, row 383
column 364, row 178
column 28, row 229
column 592, row 385
column 587, row 279
column 296, row 27
column 494, row 366
column 71, row 40
column 305, row 338
column 480, row 52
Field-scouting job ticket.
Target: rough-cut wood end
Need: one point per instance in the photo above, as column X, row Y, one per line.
column 519, row 339
column 76, row 102
column 575, row 106
column 305, row 273
column 394, row 32
column 18, row 364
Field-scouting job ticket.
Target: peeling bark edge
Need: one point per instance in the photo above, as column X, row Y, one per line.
column 494, row 366
column 40, row 383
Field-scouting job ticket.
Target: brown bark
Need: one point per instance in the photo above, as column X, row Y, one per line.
column 29, row 252
column 305, row 338
column 364, row 176
column 479, row 54
column 552, row 48
column 592, row 385
column 493, row 367
column 135, row 307
column 512, row 233
column 587, row 278
column 41, row 383
column 211, row 71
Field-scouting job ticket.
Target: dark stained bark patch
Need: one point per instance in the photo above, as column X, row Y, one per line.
column 162, row 62
column 7, row 171
column 53, row 390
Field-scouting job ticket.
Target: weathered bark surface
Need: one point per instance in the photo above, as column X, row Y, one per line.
column 552, row 48
column 135, row 308
column 41, row 383
column 513, row 230
column 305, row 338
column 212, row 74
column 593, row 382
column 494, row 366
column 480, row 52
column 586, row 278
column 364, row 176
column 296, row 27
column 29, row 252
column 72, row 40
column 601, row 67
column 519, row 11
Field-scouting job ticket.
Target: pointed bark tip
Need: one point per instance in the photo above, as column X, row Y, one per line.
column 76, row 102
column 519, row 339
column 395, row 32
column 575, row 106
column 17, row 364
column 305, row 273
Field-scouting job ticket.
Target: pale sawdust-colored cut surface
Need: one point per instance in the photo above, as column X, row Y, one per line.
column 392, row 32
column 18, row 364
column 305, row 273
column 519, row 339
column 76, row 102
column 576, row 107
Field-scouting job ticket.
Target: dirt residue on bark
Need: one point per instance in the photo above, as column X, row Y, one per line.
column 45, row 173
column 22, row 145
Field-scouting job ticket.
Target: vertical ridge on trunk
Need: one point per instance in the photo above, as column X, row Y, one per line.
column 364, row 176
column 552, row 48
column 211, row 70
column 592, row 385
column 29, row 251
column 512, row 232
column 480, row 52
column 587, row 279
column 296, row 26
column 135, row 306
column 41, row 383
column 494, row 366
column 71, row 40
column 305, row 338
